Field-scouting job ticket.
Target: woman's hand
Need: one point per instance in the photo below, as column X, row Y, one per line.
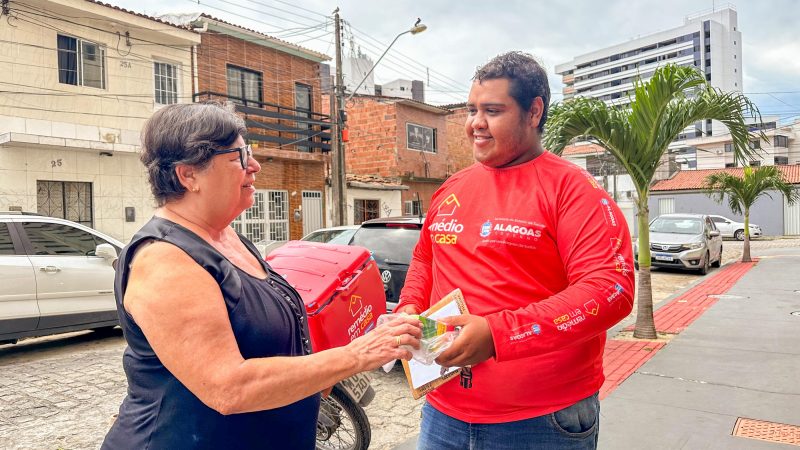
column 383, row 344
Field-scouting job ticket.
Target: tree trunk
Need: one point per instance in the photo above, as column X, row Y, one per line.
column 746, row 246
column 645, row 325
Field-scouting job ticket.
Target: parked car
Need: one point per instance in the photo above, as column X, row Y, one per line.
column 391, row 241
column 684, row 241
column 333, row 235
column 731, row 229
column 55, row 276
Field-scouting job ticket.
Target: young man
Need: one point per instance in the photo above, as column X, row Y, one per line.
column 543, row 257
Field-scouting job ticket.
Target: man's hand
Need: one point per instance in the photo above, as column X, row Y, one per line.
column 473, row 345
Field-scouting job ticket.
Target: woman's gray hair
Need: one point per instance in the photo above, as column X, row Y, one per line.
column 187, row 134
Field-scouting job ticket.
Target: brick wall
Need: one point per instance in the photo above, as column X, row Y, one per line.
column 294, row 177
column 458, row 145
column 372, row 147
column 422, row 164
column 288, row 170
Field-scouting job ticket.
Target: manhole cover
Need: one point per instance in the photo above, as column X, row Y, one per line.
column 723, row 296
column 767, row 431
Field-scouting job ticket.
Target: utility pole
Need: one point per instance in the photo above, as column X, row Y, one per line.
column 338, row 172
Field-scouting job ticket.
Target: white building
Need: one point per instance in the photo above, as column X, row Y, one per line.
column 401, row 88
column 709, row 41
column 354, row 69
column 81, row 77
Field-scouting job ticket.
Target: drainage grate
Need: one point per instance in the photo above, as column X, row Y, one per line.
column 767, row 431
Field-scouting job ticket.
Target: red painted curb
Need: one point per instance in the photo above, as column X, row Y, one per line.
column 622, row 358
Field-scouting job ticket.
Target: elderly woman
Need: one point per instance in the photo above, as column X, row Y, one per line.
column 218, row 353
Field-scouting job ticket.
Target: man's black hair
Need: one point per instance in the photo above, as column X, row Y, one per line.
column 527, row 79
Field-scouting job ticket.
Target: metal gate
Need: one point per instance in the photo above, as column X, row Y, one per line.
column 65, row 199
column 312, row 211
column 791, row 218
column 666, row 206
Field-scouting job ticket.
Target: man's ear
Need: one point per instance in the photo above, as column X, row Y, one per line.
column 536, row 111
column 187, row 176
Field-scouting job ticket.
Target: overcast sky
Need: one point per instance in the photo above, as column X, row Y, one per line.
column 465, row 34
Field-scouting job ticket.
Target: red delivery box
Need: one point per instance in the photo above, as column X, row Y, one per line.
column 340, row 286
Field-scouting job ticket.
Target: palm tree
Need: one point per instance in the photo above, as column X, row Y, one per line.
column 638, row 136
column 742, row 193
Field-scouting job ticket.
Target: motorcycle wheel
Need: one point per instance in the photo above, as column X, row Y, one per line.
column 342, row 425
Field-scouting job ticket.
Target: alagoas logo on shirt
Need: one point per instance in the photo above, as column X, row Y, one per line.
column 445, row 228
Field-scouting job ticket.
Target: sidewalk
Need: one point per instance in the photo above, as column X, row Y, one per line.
column 737, row 354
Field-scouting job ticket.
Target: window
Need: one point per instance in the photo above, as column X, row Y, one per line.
column 781, row 141
column 81, row 63
column 729, row 148
column 267, row 219
column 6, row 244
column 365, row 210
column 755, row 144
column 728, row 165
column 419, row 137
column 755, row 163
column 302, row 102
column 412, row 208
column 166, row 83
column 244, row 86
column 65, row 200
column 781, row 160
column 60, row 240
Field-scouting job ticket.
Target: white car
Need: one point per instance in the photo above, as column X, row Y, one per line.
column 732, row 229
column 55, row 276
column 333, row 235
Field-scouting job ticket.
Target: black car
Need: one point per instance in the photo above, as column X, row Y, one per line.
column 391, row 241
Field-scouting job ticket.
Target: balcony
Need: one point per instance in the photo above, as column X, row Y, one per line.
column 280, row 131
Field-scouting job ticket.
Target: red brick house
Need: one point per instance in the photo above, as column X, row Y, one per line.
column 406, row 142
column 276, row 87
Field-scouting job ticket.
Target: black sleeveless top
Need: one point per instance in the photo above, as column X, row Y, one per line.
column 268, row 319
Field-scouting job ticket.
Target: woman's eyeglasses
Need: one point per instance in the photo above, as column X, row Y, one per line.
column 245, row 153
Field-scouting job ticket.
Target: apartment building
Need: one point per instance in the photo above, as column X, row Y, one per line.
column 709, row 41
column 80, row 78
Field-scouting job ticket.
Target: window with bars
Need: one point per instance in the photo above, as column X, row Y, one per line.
column 66, row 200
column 364, row 210
column 81, row 63
column 267, row 219
column 166, row 83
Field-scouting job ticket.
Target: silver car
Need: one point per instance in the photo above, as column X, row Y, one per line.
column 684, row 241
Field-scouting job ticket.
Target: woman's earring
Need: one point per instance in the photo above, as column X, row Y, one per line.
column 195, row 189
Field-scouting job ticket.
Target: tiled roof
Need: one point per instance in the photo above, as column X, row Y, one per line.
column 696, row 179
column 155, row 19
column 582, row 149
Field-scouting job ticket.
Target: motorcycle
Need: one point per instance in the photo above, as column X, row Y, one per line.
column 342, row 422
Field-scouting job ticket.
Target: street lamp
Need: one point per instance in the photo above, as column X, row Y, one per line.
column 417, row 28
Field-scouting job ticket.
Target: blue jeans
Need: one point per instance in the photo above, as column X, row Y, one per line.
column 574, row 427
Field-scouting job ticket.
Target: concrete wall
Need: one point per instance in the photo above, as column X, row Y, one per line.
column 768, row 213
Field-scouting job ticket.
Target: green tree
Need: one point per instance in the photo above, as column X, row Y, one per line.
column 638, row 136
column 742, row 193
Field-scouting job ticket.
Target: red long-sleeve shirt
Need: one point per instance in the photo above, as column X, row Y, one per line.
column 543, row 253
